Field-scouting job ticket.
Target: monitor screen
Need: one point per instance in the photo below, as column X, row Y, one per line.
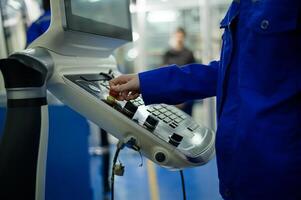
column 109, row 18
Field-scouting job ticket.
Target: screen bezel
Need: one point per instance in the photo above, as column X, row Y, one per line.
column 77, row 23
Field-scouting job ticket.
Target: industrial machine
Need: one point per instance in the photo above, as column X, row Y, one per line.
column 73, row 60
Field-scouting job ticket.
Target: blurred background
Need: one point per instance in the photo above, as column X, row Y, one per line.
column 155, row 24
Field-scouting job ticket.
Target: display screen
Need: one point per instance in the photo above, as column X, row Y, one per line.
column 110, row 18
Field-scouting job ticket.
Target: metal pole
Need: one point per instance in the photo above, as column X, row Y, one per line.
column 3, row 47
column 141, row 14
column 3, row 54
column 206, row 31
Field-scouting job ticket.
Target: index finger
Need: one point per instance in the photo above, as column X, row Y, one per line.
column 118, row 81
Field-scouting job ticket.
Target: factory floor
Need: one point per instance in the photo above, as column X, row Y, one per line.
column 151, row 182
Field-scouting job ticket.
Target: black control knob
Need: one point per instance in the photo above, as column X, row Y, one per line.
column 175, row 139
column 151, row 123
column 130, row 109
column 160, row 157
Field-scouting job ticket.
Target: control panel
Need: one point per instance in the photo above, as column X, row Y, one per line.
column 167, row 131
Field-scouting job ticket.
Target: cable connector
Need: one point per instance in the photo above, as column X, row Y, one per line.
column 132, row 143
column 119, row 170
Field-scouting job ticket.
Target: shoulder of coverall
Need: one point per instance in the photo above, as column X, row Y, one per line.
column 231, row 13
column 268, row 16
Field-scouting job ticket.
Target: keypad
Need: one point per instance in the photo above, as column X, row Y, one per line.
column 138, row 102
column 156, row 113
column 193, row 127
column 168, row 114
column 161, row 116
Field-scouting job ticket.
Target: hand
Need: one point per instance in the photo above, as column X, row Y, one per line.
column 127, row 87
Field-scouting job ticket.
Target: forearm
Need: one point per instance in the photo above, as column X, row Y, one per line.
column 173, row 85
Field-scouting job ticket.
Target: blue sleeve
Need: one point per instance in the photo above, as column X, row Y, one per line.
column 173, row 85
column 33, row 33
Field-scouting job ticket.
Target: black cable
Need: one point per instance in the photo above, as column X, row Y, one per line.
column 104, row 144
column 183, row 184
column 119, row 147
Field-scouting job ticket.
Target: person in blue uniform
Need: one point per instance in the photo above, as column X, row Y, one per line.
column 180, row 55
column 257, row 83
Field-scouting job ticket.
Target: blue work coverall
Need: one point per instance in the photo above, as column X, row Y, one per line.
column 39, row 27
column 257, row 83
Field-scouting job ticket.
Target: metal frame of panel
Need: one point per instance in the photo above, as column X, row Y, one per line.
column 3, row 47
column 3, row 54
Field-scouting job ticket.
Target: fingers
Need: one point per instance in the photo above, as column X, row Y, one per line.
column 116, row 83
column 122, row 88
column 132, row 96
column 120, row 80
column 125, row 83
column 126, row 95
column 126, row 86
